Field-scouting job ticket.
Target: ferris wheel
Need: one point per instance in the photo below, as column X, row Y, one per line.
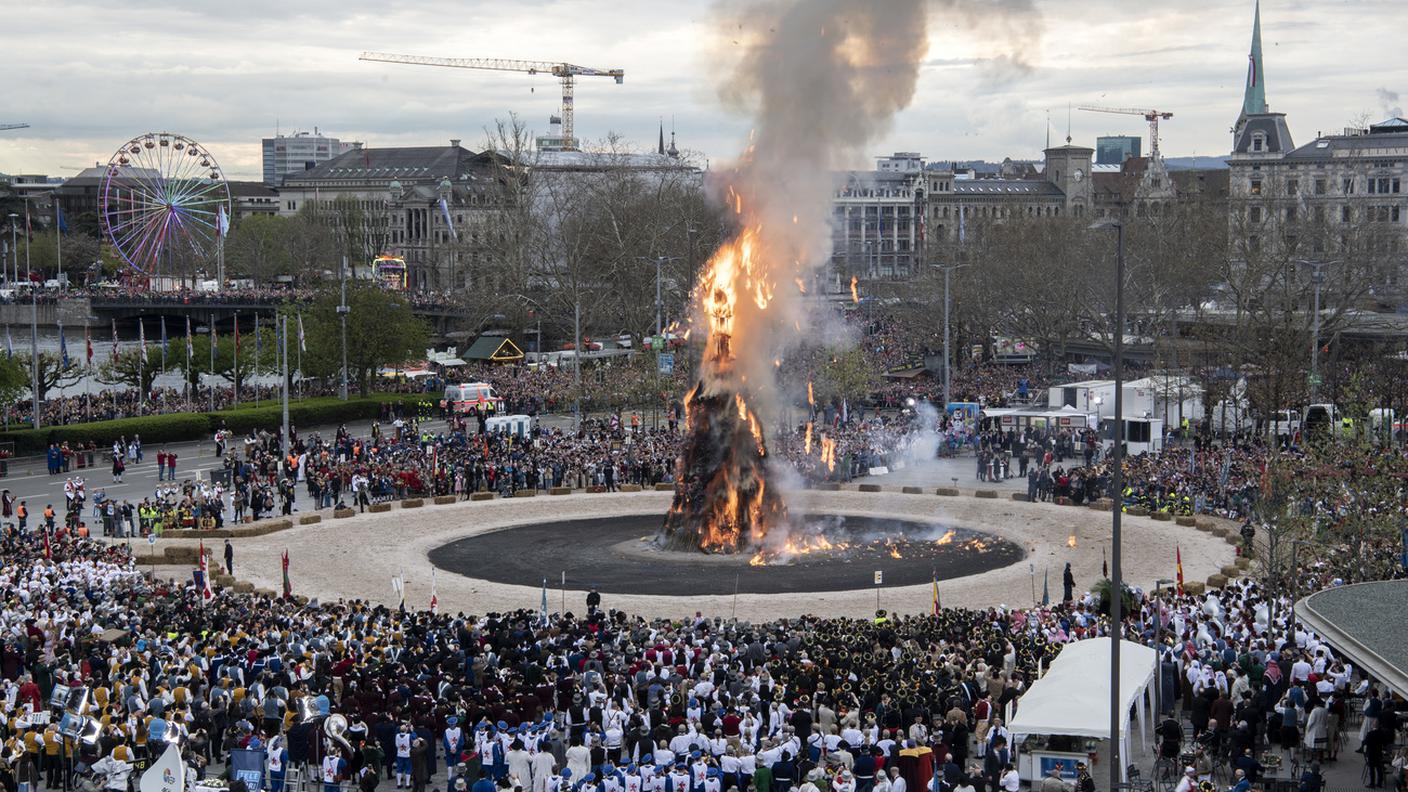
column 164, row 196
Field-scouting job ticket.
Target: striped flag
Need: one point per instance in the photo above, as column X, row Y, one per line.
column 543, row 609
column 302, row 341
column 114, row 339
column 142, row 338
column 935, row 599
column 1178, row 566
column 203, row 575
column 63, row 348
column 434, row 600
column 190, row 345
column 88, row 342
column 288, row 587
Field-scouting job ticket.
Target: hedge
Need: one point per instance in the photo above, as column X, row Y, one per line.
column 177, row 427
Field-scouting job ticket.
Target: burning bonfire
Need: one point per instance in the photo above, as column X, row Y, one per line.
column 823, row 79
column 725, row 499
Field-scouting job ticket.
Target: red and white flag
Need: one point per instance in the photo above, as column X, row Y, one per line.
column 1178, row 560
column 203, row 575
column 434, row 600
column 88, row 342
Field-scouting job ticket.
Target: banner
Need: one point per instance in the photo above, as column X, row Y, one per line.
column 247, row 766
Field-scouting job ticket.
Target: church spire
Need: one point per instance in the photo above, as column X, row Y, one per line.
column 1254, row 100
column 661, row 148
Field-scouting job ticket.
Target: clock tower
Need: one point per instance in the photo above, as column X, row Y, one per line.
column 1068, row 168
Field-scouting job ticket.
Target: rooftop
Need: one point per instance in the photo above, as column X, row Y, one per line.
column 1367, row 622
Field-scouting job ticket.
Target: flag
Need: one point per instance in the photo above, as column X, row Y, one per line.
column 445, row 210
column 114, row 339
column 398, row 587
column 222, row 222
column 434, row 600
column 237, row 336
column 962, row 227
column 543, row 609
column 1178, row 567
column 60, row 222
column 1045, row 586
column 48, row 553
column 142, row 338
column 258, row 347
column 88, row 343
column 9, row 343
column 203, row 575
column 934, row 604
column 288, row 588
column 1104, row 565
column 190, row 345
column 302, row 340
column 164, row 345
column 63, row 348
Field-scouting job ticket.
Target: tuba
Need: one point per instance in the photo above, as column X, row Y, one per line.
column 335, row 727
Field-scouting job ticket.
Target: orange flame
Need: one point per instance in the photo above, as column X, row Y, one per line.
column 855, row 293
column 811, row 398
column 807, row 448
column 828, row 452
column 895, row 551
column 1071, row 541
column 947, row 538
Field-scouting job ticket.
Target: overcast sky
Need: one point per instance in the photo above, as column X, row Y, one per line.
column 89, row 75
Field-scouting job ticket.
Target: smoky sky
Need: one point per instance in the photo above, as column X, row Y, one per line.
column 89, row 75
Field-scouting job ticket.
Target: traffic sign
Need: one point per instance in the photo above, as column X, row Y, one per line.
column 879, row 577
column 667, row 363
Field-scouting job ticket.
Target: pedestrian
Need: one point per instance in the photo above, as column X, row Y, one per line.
column 161, row 464
column 171, row 465
column 1068, row 584
column 229, row 558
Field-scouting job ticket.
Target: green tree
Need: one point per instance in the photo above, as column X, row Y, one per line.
column 14, row 379
column 128, row 368
column 52, row 372
column 381, row 331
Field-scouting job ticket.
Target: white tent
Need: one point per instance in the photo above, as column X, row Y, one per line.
column 1073, row 697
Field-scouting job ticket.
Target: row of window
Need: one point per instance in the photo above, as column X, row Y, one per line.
column 1375, row 185
column 1383, row 213
column 1026, row 210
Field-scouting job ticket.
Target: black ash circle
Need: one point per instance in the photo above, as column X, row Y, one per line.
column 619, row 555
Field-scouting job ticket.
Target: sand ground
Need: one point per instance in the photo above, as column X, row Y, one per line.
column 358, row 556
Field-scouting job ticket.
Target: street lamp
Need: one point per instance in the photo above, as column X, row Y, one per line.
column 659, row 332
column 1316, row 278
column 342, row 311
column 1117, row 508
column 948, row 377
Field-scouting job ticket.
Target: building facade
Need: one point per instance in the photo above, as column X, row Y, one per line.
column 1338, row 195
column 286, row 155
column 1115, row 149
column 877, row 228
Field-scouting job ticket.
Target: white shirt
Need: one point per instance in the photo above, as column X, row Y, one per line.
column 1011, row 782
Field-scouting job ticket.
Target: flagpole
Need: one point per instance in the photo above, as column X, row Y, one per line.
column 283, row 348
column 33, row 320
column 59, row 240
column 235, row 375
column 256, row 355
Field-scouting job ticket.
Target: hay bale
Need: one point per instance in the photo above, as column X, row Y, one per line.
column 445, row 500
column 244, row 587
column 870, row 488
column 481, row 496
column 412, row 503
column 1103, row 504
column 342, row 514
column 1020, row 497
column 1162, row 517
column 262, row 592
column 222, row 579
column 1195, row 587
column 985, row 494
column 526, row 492
column 1185, row 520
column 596, row 489
column 912, row 490
column 378, row 508
column 664, row 487
column 1230, row 571
column 948, row 492
column 1232, row 539
column 1217, row 581
column 1205, row 527
column 560, row 491
column 310, row 519
column 1137, row 511
column 629, row 488
column 1242, row 562
column 180, row 555
column 827, row 486
column 1061, row 500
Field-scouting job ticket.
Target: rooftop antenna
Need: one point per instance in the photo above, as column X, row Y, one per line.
column 1048, row 127
column 1068, row 123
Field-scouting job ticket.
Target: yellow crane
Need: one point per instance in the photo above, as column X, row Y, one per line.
column 566, row 73
column 1152, row 116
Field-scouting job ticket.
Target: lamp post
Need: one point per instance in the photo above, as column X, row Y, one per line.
column 33, row 322
column 1317, row 278
column 948, row 357
column 342, row 311
column 659, row 331
column 1117, row 487
column 1159, row 643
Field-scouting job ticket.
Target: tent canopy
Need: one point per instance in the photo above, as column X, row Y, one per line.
column 1074, row 696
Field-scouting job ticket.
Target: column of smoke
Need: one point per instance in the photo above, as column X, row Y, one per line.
column 822, row 78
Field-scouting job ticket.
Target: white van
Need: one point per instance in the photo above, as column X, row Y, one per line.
column 516, row 425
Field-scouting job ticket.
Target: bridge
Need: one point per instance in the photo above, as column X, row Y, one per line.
column 221, row 311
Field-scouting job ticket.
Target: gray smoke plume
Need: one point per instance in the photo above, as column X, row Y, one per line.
column 1388, row 102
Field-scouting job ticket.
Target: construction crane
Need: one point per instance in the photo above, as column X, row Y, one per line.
column 566, row 73
column 1152, row 116
column 4, row 127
